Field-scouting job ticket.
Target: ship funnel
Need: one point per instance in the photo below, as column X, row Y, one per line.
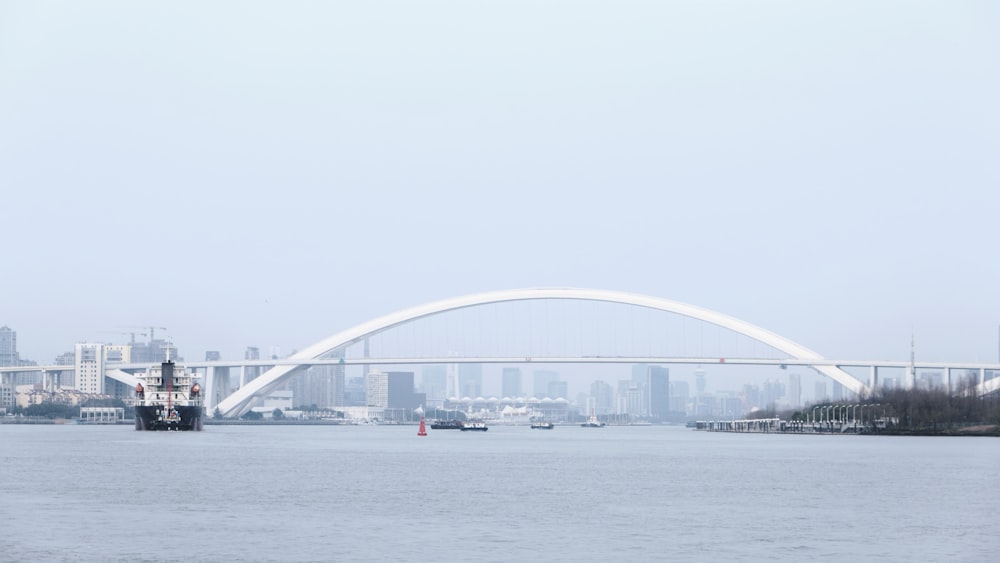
column 167, row 373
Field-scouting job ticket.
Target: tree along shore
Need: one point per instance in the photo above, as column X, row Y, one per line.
column 917, row 412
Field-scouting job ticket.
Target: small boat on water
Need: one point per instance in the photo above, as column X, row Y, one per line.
column 542, row 425
column 592, row 422
column 446, row 425
column 476, row 425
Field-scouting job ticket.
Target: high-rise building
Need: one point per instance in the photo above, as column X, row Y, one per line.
column 401, row 391
column 680, row 396
column 434, row 383
column 470, row 380
column 603, row 397
column 322, row 386
column 354, row 392
column 771, row 393
column 8, row 347
column 89, row 368
column 795, row 390
column 632, row 400
column 153, row 352
column 699, row 381
column 658, row 392
column 377, row 389
column 337, row 386
column 6, row 395
column 820, row 394
column 453, row 389
column 510, row 384
column 540, row 382
column 640, row 374
column 90, row 362
column 838, row 391
column 557, row 390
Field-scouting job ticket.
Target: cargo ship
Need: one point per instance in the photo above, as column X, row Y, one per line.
column 168, row 398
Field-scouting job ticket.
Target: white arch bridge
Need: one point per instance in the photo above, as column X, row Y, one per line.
column 241, row 400
column 281, row 370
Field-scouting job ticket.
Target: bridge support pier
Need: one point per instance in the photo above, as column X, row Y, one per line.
column 209, row 389
column 873, row 378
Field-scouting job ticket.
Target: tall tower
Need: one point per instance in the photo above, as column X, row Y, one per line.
column 699, row 381
column 658, row 392
column 541, row 379
column 8, row 346
column 89, row 368
column 377, row 389
column 470, row 380
column 510, row 385
column 795, row 390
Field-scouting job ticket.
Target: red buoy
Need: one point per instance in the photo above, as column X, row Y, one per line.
column 423, row 430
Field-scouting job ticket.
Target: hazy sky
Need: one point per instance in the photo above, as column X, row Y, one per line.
column 270, row 173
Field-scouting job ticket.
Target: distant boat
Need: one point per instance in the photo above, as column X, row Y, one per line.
column 543, row 425
column 477, row 425
column 446, row 425
column 592, row 422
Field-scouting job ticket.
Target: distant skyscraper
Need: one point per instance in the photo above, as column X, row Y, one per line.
column 633, row 400
column 557, row 389
column 540, row 382
column 820, row 395
column 751, row 398
column 603, row 397
column 680, row 395
column 771, row 393
column 401, row 395
column 510, row 384
column 434, row 383
column 795, row 390
column 699, row 381
column 470, row 380
column 337, row 386
column 377, row 389
column 453, row 390
column 640, row 374
column 8, row 347
column 354, row 392
column 658, row 392
column 320, row 387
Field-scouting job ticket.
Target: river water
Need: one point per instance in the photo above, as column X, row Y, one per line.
column 377, row 493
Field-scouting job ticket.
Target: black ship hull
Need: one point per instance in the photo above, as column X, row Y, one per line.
column 156, row 417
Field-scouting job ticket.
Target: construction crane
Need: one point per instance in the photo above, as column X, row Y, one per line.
column 152, row 331
column 131, row 334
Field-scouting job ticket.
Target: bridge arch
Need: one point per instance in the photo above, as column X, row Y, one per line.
column 240, row 401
